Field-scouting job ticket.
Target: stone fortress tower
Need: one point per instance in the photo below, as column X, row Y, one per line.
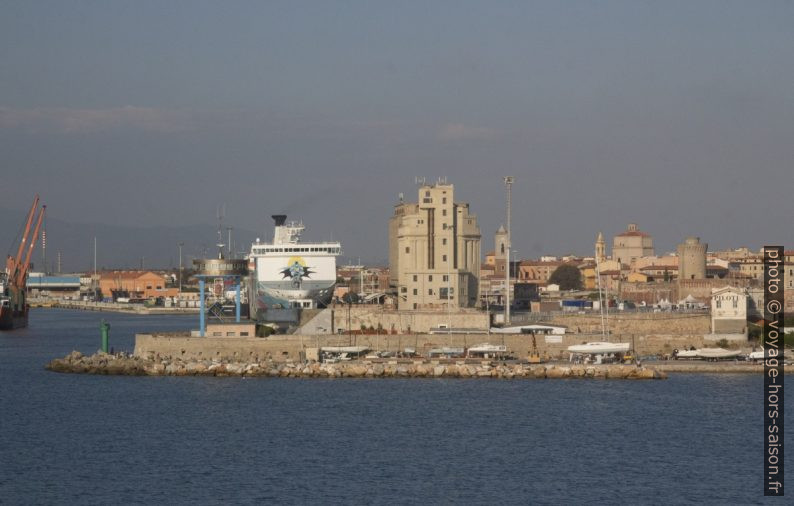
column 692, row 259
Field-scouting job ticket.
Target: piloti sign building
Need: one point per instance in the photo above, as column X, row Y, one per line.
column 434, row 250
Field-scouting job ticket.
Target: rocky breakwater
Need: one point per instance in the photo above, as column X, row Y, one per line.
column 100, row 363
column 124, row 364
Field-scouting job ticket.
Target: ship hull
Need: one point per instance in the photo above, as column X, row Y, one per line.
column 271, row 295
column 10, row 320
column 599, row 348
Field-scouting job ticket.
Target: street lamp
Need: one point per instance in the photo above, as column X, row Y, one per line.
column 449, row 279
column 488, row 308
column 180, row 266
column 515, row 255
column 508, row 180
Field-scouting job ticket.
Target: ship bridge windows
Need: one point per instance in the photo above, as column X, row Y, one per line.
column 327, row 249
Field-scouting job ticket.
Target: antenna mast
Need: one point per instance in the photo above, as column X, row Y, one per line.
column 221, row 212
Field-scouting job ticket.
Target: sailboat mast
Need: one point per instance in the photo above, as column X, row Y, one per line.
column 600, row 298
column 606, row 311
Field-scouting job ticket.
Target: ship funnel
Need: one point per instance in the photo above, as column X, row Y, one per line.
column 280, row 219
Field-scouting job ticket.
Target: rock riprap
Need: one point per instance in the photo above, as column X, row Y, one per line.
column 129, row 365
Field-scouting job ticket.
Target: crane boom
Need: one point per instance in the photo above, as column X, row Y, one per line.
column 28, row 222
column 22, row 273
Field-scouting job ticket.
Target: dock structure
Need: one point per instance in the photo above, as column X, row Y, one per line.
column 219, row 269
column 112, row 307
column 329, row 356
column 228, row 342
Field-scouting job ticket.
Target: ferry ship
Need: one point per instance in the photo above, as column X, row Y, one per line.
column 289, row 273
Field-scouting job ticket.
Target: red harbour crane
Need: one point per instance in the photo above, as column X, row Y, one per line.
column 13, row 303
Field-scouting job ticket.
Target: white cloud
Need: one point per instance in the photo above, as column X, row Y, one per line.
column 79, row 121
column 459, row 131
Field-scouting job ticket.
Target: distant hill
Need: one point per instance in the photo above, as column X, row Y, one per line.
column 118, row 246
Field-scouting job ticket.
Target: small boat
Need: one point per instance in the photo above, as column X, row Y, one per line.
column 333, row 354
column 487, row 350
column 709, row 353
column 530, row 329
column 717, row 353
column 687, row 354
column 756, row 355
column 599, row 348
column 446, row 351
column 357, row 350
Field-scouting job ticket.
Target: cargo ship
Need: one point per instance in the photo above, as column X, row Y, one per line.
column 13, row 310
column 13, row 294
column 288, row 273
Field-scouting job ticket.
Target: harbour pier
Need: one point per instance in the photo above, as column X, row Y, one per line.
column 132, row 365
column 114, row 307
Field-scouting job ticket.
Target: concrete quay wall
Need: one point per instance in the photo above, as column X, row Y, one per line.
column 638, row 323
column 407, row 322
column 280, row 349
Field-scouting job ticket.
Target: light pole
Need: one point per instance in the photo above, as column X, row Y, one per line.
column 488, row 310
column 95, row 281
column 508, row 180
column 600, row 297
column 515, row 256
column 449, row 280
column 180, row 267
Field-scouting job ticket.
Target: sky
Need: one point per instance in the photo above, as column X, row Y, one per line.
column 675, row 115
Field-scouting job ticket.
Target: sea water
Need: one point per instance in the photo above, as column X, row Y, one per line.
column 80, row 439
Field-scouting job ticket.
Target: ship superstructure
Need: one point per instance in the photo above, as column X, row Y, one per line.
column 289, row 273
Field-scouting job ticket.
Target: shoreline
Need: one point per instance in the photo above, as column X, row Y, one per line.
column 727, row 367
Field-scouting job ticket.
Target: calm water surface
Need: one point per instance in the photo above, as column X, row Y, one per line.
column 75, row 439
